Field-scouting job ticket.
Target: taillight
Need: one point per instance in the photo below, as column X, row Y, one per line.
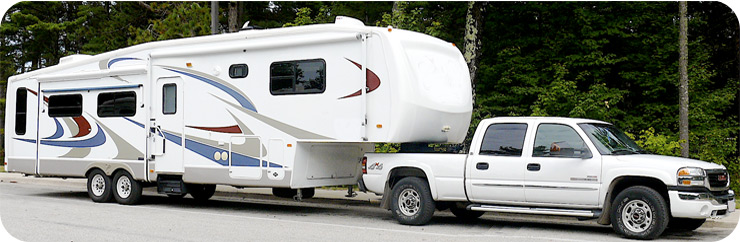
column 364, row 165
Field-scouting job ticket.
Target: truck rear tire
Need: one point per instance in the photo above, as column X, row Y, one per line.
column 465, row 214
column 201, row 192
column 639, row 213
column 99, row 186
column 685, row 224
column 127, row 191
column 411, row 201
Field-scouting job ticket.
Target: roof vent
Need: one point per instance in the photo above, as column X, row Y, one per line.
column 72, row 58
column 344, row 20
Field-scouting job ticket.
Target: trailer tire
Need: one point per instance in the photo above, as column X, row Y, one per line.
column 126, row 190
column 201, row 192
column 639, row 212
column 411, row 201
column 99, row 186
column 465, row 214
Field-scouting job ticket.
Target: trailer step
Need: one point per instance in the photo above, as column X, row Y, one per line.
column 171, row 185
column 540, row 211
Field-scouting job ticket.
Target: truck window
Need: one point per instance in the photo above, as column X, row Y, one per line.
column 557, row 140
column 298, row 77
column 117, row 104
column 21, row 99
column 504, row 140
column 65, row 105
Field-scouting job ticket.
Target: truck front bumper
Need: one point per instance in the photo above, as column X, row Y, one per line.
column 701, row 204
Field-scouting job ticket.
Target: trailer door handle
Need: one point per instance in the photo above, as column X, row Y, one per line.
column 481, row 166
column 533, row 167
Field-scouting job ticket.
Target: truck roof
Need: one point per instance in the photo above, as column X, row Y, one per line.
column 545, row 119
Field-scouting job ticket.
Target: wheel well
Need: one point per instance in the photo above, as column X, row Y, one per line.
column 619, row 184
column 400, row 172
column 91, row 170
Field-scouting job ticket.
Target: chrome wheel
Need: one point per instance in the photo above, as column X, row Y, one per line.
column 98, row 185
column 637, row 216
column 123, row 186
column 409, row 202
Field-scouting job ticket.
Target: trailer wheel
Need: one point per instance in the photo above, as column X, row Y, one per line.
column 201, row 192
column 465, row 214
column 411, row 201
column 127, row 190
column 99, row 186
column 640, row 213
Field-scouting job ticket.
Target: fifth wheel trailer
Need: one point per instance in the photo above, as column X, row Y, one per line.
column 290, row 108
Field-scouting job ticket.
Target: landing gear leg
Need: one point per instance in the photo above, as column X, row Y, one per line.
column 299, row 195
column 351, row 192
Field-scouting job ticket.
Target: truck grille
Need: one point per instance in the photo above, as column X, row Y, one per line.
column 718, row 178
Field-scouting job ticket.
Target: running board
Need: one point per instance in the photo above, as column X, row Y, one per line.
column 540, row 211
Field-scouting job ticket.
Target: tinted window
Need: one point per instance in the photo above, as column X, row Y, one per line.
column 557, row 140
column 298, row 77
column 65, row 105
column 116, row 104
column 21, row 99
column 238, row 71
column 504, row 139
column 169, row 98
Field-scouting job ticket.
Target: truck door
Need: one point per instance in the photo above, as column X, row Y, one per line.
column 562, row 169
column 495, row 171
column 167, row 139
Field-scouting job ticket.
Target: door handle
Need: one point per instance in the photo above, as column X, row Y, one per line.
column 481, row 166
column 533, row 167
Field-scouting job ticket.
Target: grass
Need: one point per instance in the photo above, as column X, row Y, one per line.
column 2, row 168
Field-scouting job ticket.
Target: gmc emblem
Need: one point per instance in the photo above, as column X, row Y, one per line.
column 722, row 178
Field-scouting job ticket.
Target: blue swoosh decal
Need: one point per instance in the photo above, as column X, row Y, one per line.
column 58, row 133
column 97, row 140
column 207, row 152
column 239, row 98
column 113, row 61
column 137, row 123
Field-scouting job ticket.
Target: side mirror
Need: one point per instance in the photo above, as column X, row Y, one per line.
column 586, row 154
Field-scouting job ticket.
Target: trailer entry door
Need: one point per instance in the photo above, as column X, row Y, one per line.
column 167, row 130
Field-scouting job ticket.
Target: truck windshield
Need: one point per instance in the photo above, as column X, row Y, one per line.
column 609, row 140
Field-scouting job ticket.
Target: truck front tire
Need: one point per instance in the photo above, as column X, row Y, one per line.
column 411, row 201
column 639, row 213
column 99, row 186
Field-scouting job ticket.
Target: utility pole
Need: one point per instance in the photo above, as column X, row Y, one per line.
column 683, row 87
column 214, row 17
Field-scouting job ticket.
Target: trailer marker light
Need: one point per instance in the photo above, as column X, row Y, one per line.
column 151, row 171
column 453, row 44
column 189, row 64
column 380, row 126
column 290, row 145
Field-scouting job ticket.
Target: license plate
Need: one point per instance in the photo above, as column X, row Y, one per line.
column 731, row 206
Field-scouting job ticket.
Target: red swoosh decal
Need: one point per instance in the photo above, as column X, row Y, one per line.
column 372, row 81
column 46, row 99
column 234, row 129
column 83, row 125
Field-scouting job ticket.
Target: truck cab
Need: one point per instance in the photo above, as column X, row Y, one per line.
column 554, row 166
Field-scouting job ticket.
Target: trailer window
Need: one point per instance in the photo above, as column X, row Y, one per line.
column 504, row 140
column 65, row 105
column 238, row 71
column 21, row 104
column 169, row 98
column 117, row 104
column 298, row 77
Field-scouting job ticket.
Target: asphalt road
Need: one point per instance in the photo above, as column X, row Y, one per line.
column 60, row 210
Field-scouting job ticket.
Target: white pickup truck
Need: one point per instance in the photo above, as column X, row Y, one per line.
column 553, row 166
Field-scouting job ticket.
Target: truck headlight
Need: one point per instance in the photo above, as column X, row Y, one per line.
column 691, row 176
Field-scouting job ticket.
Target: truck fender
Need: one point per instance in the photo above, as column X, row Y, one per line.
column 411, row 165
